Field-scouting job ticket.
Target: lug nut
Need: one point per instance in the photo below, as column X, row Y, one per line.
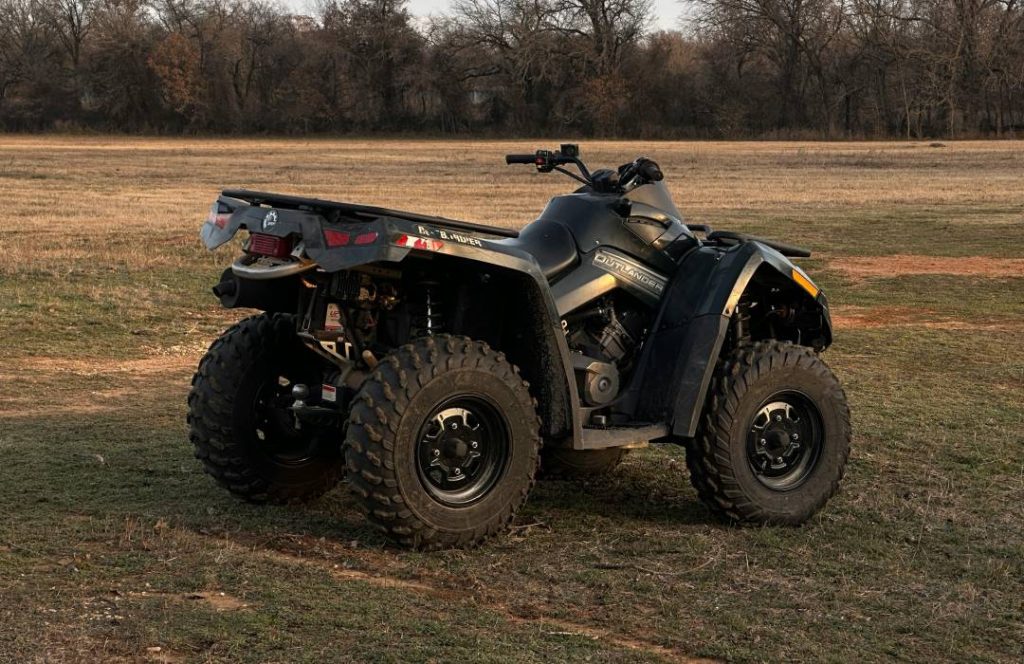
column 458, row 471
column 474, row 444
column 437, row 453
column 778, row 418
column 795, row 436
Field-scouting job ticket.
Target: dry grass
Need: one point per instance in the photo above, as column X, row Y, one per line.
column 114, row 547
column 111, row 181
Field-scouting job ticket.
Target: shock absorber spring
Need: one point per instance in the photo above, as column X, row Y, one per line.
column 427, row 316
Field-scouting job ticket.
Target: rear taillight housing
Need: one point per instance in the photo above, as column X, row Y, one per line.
column 262, row 244
column 343, row 239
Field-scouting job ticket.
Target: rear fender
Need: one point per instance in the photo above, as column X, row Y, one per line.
column 541, row 350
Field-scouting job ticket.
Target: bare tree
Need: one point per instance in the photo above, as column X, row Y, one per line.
column 739, row 68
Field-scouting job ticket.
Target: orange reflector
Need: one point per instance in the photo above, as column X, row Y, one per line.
column 805, row 283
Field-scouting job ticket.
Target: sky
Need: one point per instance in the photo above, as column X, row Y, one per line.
column 666, row 12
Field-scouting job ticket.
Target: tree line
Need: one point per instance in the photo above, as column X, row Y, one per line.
column 734, row 68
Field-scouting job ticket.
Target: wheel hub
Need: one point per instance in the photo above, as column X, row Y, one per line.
column 463, row 448
column 784, row 441
column 454, row 448
column 280, row 433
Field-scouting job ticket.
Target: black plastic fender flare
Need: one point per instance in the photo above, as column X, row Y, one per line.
column 693, row 324
column 397, row 238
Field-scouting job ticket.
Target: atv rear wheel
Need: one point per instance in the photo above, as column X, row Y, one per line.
column 775, row 436
column 239, row 421
column 443, row 443
column 557, row 462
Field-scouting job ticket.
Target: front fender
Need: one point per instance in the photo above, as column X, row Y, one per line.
column 694, row 324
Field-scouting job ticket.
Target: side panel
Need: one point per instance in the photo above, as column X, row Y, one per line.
column 603, row 270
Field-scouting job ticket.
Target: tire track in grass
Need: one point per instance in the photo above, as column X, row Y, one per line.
column 434, row 587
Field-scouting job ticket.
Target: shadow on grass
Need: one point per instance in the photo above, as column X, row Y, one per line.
column 112, row 466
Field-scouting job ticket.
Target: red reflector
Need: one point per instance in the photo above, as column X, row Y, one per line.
column 217, row 217
column 415, row 242
column 366, row 238
column 336, row 238
column 269, row 245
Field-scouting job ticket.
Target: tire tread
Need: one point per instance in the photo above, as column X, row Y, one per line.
column 708, row 455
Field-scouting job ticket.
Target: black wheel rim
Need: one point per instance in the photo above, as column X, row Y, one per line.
column 279, row 434
column 785, row 440
column 463, row 448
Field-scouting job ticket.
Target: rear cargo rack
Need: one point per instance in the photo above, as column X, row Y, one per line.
column 353, row 210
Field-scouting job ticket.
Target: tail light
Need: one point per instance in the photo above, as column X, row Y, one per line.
column 269, row 245
column 342, row 239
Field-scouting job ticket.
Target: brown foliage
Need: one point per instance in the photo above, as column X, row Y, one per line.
column 175, row 61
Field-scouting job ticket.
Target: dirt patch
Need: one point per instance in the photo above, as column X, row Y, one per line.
column 142, row 367
column 871, row 317
column 217, row 601
column 381, row 581
column 163, row 655
column 44, row 386
column 597, row 634
column 859, row 267
column 852, row 317
column 332, row 557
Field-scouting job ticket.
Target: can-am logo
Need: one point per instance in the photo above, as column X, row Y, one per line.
column 270, row 220
column 630, row 271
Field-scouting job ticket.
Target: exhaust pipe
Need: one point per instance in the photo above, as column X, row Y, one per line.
column 273, row 295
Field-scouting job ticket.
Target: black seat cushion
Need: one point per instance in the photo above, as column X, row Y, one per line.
column 550, row 243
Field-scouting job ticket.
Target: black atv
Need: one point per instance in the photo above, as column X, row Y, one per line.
column 439, row 363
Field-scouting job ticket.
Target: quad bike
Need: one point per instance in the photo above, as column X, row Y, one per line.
column 438, row 364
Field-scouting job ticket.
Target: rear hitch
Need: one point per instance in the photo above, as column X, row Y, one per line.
column 310, row 411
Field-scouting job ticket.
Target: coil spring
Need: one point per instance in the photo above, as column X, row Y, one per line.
column 427, row 318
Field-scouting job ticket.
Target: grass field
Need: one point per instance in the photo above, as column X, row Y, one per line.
column 115, row 547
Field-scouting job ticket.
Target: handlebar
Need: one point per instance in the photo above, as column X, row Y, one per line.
column 631, row 175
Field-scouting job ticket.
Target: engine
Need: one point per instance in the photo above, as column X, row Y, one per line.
column 604, row 339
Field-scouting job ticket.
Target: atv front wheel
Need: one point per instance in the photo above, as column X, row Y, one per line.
column 443, row 443
column 774, row 438
column 239, row 421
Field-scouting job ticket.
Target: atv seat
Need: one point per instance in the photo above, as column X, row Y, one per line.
column 550, row 243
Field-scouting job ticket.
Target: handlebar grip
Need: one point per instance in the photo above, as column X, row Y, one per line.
column 651, row 171
column 520, row 159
